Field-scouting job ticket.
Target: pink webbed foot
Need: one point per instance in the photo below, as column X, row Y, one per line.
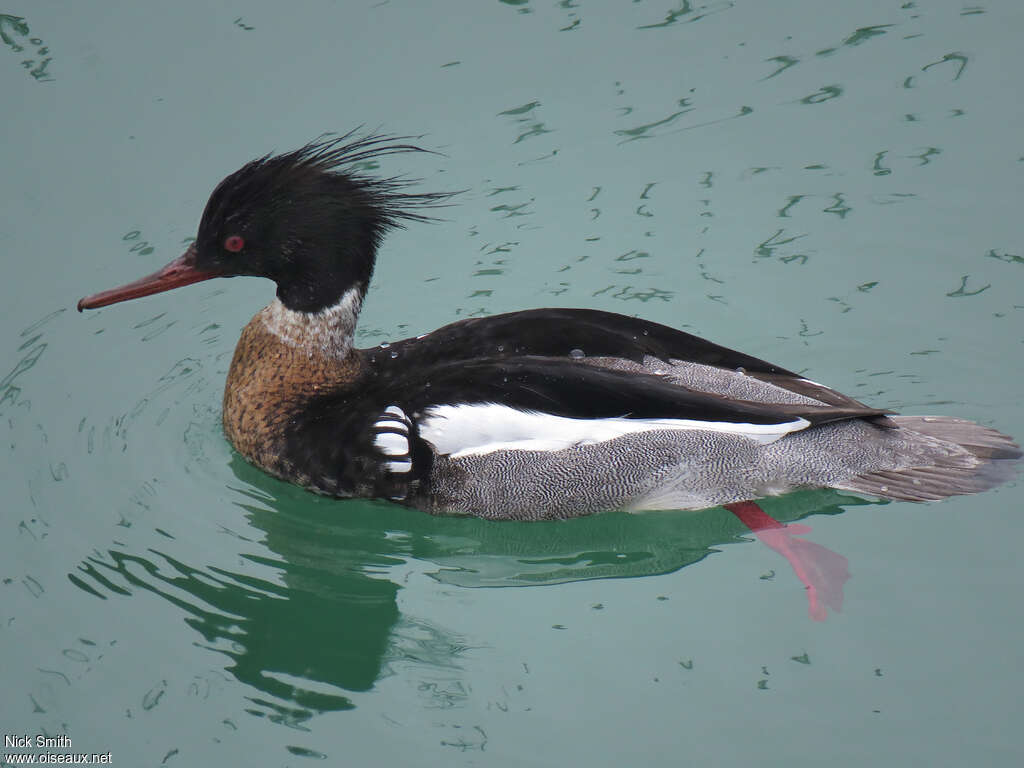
column 822, row 571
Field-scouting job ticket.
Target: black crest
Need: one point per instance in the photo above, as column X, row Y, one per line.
column 311, row 219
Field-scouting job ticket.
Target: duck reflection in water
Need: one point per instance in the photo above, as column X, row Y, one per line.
column 323, row 623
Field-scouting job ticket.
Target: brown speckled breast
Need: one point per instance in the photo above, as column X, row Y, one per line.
column 269, row 381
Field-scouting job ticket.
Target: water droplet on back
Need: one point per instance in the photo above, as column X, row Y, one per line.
column 394, row 354
column 385, row 345
column 576, row 354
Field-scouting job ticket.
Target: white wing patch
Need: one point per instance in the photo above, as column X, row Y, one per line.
column 473, row 430
column 392, row 438
column 392, row 444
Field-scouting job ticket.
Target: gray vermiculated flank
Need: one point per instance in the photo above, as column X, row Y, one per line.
column 924, row 458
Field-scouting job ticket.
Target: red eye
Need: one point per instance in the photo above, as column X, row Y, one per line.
column 234, row 244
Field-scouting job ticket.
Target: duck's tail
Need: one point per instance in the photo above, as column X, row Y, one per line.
column 980, row 458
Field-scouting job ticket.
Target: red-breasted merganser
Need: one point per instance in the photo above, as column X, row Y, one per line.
column 545, row 413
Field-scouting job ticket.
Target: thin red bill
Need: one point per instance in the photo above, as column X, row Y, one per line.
column 181, row 271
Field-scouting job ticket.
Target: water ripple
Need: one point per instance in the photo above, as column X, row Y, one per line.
column 528, row 124
column 644, row 131
column 778, row 242
column 784, row 62
column 823, row 94
column 14, row 33
column 1009, row 258
column 956, row 58
column 962, row 290
column 33, row 348
column 863, row 34
column 687, row 14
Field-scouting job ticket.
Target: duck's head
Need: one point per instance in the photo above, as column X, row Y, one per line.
column 309, row 220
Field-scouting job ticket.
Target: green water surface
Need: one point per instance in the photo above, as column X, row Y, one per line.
column 833, row 186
